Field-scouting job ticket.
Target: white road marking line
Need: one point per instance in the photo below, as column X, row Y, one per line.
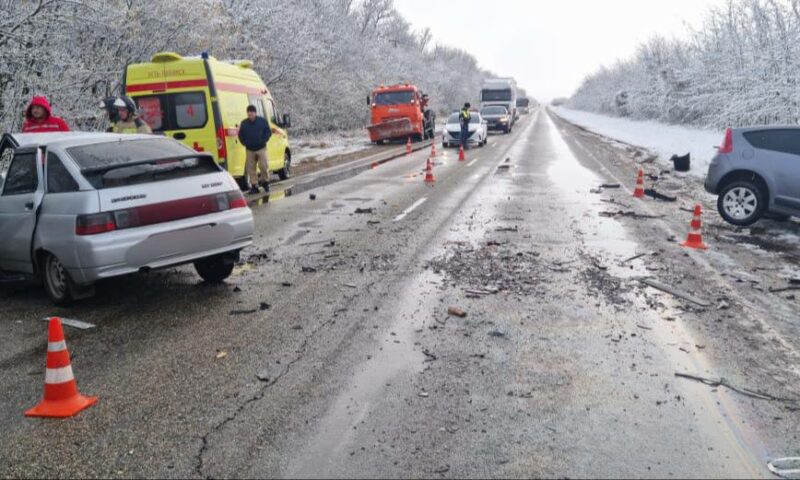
column 472, row 162
column 410, row 209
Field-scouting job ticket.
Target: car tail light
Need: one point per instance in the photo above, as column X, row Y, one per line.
column 95, row 224
column 222, row 151
column 159, row 213
column 727, row 144
column 236, row 200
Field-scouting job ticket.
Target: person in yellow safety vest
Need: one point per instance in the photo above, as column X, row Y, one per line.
column 128, row 121
column 465, row 116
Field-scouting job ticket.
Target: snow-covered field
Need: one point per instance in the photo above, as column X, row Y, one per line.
column 664, row 140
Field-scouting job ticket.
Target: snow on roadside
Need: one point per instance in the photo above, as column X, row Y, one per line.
column 321, row 146
column 664, row 140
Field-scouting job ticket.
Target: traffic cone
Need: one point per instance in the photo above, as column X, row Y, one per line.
column 433, row 149
column 639, row 192
column 695, row 237
column 429, row 173
column 61, row 396
column 408, row 146
column 461, row 156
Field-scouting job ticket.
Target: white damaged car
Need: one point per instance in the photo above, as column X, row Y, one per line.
column 76, row 208
column 478, row 131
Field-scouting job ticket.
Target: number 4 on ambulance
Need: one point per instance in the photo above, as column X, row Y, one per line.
column 200, row 101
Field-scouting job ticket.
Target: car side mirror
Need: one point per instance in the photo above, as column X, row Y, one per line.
column 287, row 120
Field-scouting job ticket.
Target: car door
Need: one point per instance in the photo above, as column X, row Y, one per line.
column 277, row 143
column 21, row 196
column 779, row 159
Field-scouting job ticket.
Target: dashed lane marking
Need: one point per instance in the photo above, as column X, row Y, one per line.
column 472, row 162
column 410, row 209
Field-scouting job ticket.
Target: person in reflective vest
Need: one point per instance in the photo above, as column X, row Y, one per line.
column 128, row 121
column 465, row 116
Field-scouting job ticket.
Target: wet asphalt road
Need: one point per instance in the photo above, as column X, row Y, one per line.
column 330, row 352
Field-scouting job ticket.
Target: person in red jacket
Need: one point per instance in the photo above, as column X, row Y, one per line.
column 39, row 118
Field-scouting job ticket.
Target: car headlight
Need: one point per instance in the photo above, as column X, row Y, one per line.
column 504, row 120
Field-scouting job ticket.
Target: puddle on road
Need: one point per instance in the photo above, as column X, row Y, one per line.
column 603, row 236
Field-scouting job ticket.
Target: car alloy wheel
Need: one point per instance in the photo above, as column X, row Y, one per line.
column 740, row 203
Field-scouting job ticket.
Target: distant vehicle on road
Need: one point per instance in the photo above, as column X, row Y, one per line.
column 76, row 208
column 497, row 118
column 478, row 131
column 201, row 101
column 500, row 92
column 523, row 106
column 756, row 172
column 399, row 112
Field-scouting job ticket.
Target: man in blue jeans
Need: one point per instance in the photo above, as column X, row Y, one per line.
column 465, row 116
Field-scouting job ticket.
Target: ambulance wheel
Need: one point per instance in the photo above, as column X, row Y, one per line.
column 286, row 171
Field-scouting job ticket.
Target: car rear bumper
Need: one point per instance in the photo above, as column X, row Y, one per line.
column 158, row 246
column 717, row 169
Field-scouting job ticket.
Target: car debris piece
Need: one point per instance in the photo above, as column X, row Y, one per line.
column 635, row 257
column 496, row 334
column 265, row 306
column 507, row 229
column 364, row 210
column 74, row 323
column 221, row 354
column 610, row 185
column 423, row 394
column 628, row 213
column 722, row 382
column 673, row 291
column 312, row 196
column 456, row 312
column 309, row 269
column 243, row 312
column 651, row 192
column 286, row 284
column 788, row 467
column 430, row 357
column 784, row 289
column 682, row 164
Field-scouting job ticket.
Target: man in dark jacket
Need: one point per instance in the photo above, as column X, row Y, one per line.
column 39, row 118
column 465, row 117
column 254, row 133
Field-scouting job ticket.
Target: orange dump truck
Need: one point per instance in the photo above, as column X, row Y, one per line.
column 400, row 112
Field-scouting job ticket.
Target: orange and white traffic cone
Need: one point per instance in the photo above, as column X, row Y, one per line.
column 61, row 396
column 695, row 237
column 433, row 149
column 639, row 191
column 461, row 156
column 429, row 173
column 408, row 146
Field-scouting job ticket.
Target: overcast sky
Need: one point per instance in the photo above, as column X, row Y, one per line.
column 550, row 45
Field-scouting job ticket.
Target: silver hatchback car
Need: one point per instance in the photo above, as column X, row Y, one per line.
column 76, row 208
column 756, row 172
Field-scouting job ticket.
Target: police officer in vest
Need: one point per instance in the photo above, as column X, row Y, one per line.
column 465, row 116
column 128, row 121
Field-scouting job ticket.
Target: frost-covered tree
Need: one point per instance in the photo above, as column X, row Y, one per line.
column 319, row 57
column 739, row 68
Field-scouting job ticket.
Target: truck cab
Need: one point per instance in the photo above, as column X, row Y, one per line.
column 398, row 112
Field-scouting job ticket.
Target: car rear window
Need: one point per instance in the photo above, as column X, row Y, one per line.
column 133, row 162
column 173, row 111
column 779, row 140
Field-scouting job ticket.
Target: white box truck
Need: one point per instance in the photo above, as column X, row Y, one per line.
column 501, row 92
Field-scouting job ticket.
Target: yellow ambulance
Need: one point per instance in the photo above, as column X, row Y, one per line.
column 201, row 101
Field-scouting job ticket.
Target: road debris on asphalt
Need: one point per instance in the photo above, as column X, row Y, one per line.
column 243, row 312
column 364, row 210
column 673, row 291
column 722, row 382
column 651, row 192
column 221, row 354
column 74, row 323
column 455, row 311
column 629, row 214
column 788, row 467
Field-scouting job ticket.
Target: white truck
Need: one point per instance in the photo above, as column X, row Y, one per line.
column 500, row 92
